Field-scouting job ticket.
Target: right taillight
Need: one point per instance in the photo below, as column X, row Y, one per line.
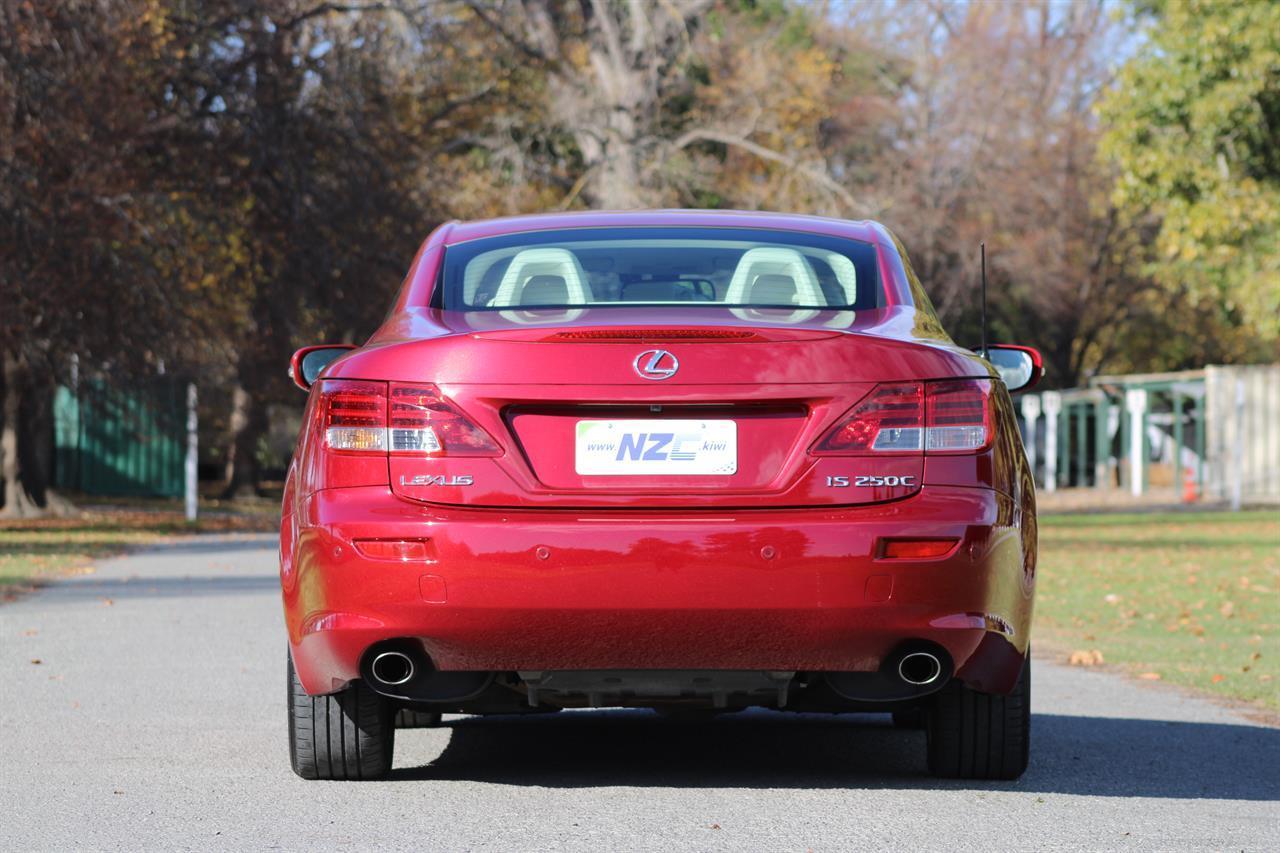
column 888, row 420
column 949, row 416
column 957, row 416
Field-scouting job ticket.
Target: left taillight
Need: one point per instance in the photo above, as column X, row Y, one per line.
column 367, row 417
column 423, row 421
column 353, row 415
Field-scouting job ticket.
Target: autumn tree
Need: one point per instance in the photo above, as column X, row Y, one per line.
column 77, row 231
column 1193, row 127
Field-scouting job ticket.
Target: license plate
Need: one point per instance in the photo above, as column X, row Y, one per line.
column 656, row 447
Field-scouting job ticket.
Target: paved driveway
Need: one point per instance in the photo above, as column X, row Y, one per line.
column 155, row 719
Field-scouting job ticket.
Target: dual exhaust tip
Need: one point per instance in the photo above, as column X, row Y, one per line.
column 393, row 668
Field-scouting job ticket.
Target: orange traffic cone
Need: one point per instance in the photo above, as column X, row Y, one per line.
column 1189, row 488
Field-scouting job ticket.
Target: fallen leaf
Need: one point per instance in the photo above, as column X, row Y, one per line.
column 715, row 826
column 1085, row 657
column 36, row 661
column 1227, row 609
column 1150, row 676
column 1217, row 678
column 1111, row 598
column 107, row 602
column 30, row 632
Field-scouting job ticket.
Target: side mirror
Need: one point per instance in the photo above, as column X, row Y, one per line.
column 1019, row 367
column 307, row 362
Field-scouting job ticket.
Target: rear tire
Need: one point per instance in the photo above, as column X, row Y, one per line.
column 345, row 735
column 974, row 735
column 408, row 718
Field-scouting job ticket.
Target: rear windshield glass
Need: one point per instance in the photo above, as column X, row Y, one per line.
column 687, row 267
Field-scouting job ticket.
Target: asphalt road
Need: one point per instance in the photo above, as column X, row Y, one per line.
column 155, row 718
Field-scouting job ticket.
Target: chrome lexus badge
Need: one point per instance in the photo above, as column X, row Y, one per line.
column 656, row 364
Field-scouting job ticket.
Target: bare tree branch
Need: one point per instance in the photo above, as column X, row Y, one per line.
column 817, row 176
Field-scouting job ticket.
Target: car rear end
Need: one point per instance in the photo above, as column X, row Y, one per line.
column 539, row 493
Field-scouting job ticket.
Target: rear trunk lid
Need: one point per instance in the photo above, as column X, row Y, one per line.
column 646, row 416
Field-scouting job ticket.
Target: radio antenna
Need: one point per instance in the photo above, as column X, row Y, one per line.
column 982, row 247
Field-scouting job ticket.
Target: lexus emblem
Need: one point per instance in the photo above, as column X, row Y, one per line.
column 656, row 364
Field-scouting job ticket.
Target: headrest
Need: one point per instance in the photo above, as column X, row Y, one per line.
column 772, row 289
column 545, row 290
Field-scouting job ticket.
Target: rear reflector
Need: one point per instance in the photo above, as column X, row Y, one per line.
column 951, row 416
column 393, row 549
column 906, row 549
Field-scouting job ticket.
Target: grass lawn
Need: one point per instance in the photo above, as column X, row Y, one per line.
column 1191, row 598
column 32, row 549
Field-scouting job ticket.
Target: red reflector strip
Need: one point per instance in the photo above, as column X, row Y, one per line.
column 908, row 549
column 392, row 549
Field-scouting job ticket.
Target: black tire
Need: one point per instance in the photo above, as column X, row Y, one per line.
column 408, row 718
column 345, row 735
column 976, row 735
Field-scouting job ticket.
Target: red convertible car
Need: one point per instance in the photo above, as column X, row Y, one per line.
column 694, row 461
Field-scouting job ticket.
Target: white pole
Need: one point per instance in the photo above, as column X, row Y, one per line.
column 1136, row 402
column 1031, row 415
column 193, row 442
column 1237, row 452
column 1052, row 403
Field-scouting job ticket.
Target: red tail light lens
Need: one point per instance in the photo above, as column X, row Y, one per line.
column 890, row 419
column 958, row 416
column 362, row 417
column 354, row 415
column 423, row 421
column 951, row 416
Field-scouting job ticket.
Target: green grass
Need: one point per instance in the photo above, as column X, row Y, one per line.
column 35, row 549
column 1190, row 597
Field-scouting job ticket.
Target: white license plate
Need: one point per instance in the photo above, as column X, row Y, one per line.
column 683, row 447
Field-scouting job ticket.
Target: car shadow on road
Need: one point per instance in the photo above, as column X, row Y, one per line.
column 1094, row 756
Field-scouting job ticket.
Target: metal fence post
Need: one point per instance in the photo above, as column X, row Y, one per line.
column 1136, row 402
column 1031, row 416
column 1052, row 402
column 191, row 468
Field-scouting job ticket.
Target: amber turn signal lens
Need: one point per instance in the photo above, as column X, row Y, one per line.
column 392, row 549
column 906, row 549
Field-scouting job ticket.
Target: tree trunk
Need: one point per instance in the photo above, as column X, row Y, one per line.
column 17, row 502
column 248, row 422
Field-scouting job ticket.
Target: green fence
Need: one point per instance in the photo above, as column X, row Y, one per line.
column 121, row 441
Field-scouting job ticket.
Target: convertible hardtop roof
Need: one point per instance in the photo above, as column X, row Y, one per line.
column 865, row 230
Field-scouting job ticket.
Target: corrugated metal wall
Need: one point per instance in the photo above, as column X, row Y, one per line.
column 121, row 442
column 1245, row 436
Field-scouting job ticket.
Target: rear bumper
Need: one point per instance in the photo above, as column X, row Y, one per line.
column 795, row 589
